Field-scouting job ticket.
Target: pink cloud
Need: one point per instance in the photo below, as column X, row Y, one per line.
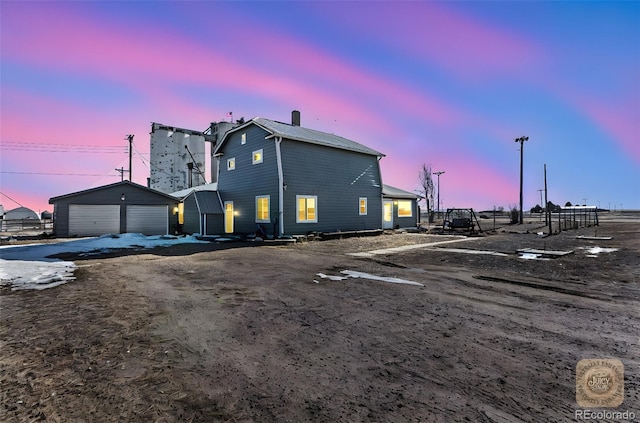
column 467, row 181
column 328, row 70
column 620, row 121
column 618, row 117
column 131, row 56
column 433, row 34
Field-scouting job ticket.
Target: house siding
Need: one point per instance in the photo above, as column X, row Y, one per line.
column 406, row 222
column 339, row 178
column 248, row 180
column 214, row 224
column 191, row 216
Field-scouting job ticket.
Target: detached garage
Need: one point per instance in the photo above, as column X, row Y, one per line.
column 113, row 209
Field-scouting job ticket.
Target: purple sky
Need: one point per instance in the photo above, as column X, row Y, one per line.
column 450, row 84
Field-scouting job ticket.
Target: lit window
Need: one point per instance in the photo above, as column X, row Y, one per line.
column 307, row 209
column 231, row 163
column 262, row 209
column 256, row 157
column 362, row 206
column 243, row 139
column 405, row 208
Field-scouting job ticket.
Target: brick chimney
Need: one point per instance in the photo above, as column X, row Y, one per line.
column 295, row 118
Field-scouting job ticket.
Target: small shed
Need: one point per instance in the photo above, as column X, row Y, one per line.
column 399, row 208
column 112, row 209
column 201, row 209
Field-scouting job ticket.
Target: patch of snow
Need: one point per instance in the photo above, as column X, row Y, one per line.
column 332, row 278
column 598, row 250
column 354, row 274
column 21, row 274
column 361, row 275
column 32, row 267
column 532, row 256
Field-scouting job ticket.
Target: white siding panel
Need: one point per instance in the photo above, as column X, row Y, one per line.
column 148, row 220
column 92, row 220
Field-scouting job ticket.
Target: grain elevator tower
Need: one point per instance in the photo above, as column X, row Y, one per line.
column 177, row 158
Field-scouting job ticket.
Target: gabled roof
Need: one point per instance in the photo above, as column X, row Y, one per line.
column 207, row 198
column 122, row 183
column 298, row 133
column 393, row 192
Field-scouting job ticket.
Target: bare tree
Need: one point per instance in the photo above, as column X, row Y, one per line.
column 426, row 187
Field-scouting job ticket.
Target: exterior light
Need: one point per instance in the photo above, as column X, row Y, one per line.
column 122, row 197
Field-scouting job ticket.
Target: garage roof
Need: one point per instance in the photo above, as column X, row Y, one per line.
column 122, row 183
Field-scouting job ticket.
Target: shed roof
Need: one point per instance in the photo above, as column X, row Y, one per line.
column 208, row 202
column 207, row 198
column 393, row 192
column 299, row 133
column 87, row 191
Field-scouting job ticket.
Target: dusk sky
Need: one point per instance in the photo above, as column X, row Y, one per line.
column 447, row 84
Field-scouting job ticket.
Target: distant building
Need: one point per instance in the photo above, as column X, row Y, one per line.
column 21, row 213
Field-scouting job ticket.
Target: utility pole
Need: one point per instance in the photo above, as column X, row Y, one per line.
column 438, row 174
column 547, row 211
column 130, row 139
column 121, row 172
column 543, row 207
column 521, row 140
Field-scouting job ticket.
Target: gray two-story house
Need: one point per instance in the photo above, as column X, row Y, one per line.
column 287, row 179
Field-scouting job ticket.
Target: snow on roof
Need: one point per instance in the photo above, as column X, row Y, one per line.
column 31, row 266
column 312, row 136
column 393, row 192
column 299, row 133
column 182, row 194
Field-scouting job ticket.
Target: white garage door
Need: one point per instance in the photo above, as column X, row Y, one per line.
column 148, row 220
column 92, row 220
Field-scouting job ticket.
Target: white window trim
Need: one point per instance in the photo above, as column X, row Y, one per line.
column 366, row 207
column 253, row 156
column 268, row 219
column 298, row 197
column 410, row 208
column 243, row 138
column 229, row 161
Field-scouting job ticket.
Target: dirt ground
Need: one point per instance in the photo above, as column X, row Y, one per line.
column 248, row 332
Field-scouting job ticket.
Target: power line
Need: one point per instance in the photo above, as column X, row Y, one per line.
column 11, row 199
column 58, row 148
column 53, row 174
column 53, row 143
column 65, row 151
